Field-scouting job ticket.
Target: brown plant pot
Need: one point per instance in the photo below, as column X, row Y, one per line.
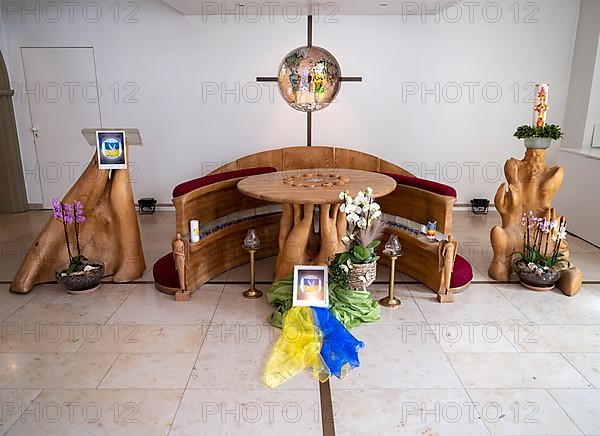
column 536, row 282
column 83, row 283
column 369, row 270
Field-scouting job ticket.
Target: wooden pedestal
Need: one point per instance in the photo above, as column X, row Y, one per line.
column 531, row 187
column 110, row 233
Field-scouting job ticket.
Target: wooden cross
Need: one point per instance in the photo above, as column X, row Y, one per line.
column 309, row 114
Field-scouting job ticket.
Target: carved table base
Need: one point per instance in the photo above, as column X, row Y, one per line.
column 299, row 244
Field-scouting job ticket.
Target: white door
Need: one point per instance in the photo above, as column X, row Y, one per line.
column 63, row 98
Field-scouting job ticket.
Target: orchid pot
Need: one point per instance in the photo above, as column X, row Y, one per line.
column 536, row 278
column 79, row 275
column 540, row 264
column 81, row 282
column 356, row 267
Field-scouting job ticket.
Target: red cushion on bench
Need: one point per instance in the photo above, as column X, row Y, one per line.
column 190, row 185
column 462, row 274
column 164, row 272
column 427, row 185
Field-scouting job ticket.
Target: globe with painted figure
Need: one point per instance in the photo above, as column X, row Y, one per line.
column 309, row 78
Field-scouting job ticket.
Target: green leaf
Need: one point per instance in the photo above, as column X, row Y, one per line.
column 373, row 245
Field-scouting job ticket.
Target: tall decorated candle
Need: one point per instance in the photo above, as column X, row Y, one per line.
column 540, row 105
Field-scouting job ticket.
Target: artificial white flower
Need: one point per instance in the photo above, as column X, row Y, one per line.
column 352, row 218
column 369, row 191
column 362, row 223
column 345, row 239
column 344, row 268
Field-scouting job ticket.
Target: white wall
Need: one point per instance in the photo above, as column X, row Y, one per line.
column 582, row 75
column 170, row 56
column 593, row 114
column 578, row 197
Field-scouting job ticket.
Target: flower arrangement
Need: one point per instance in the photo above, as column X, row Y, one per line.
column 364, row 226
column 551, row 131
column 72, row 214
column 542, row 238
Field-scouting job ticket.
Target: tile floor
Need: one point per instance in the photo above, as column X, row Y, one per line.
column 129, row 360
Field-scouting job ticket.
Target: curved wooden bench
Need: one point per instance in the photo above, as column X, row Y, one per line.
column 209, row 199
column 215, row 196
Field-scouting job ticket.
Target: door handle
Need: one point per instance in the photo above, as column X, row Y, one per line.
column 36, row 131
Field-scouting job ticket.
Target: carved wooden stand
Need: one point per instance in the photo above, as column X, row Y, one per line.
column 531, row 187
column 297, row 241
column 110, row 233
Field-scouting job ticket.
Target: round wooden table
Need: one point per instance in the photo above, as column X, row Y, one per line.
column 307, row 194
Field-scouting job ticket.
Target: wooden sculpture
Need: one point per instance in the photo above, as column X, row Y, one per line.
column 531, row 187
column 179, row 256
column 110, row 233
column 296, row 234
column 447, row 255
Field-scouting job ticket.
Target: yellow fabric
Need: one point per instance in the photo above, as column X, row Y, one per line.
column 297, row 348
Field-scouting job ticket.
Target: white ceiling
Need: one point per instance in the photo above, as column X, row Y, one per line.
column 297, row 7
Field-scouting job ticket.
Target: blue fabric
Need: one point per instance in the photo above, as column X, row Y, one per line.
column 340, row 348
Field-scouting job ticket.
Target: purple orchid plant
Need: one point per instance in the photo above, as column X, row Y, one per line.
column 542, row 239
column 69, row 214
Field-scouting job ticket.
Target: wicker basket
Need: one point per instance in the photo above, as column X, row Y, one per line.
column 369, row 270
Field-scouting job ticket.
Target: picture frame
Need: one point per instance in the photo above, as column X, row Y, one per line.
column 311, row 286
column 111, row 148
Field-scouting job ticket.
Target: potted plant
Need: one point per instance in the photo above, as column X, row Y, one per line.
column 79, row 276
column 359, row 262
column 539, row 137
column 540, row 264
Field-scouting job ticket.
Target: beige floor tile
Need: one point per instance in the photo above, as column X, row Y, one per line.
column 234, row 355
column 521, row 412
column 146, row 305
column 149, row 371
column 555, row 338
column 248, row 412
column 594, row 289
column 14, row 403
column 10, row 302
column 100, row 412
column 233, row 307
column 588, row 263
column 54, row 305
column 12, row 253
column 136, row 338
column 582, row 406
column 516, row 370
column 45, row 338
column 577, row 245
column 53, row 370
column 464, row 221
column 473, row 337
column 398, row 357
column 587, row 364
column 479, row 303
column 553, row 307
column 408, row 311
column 406, row 412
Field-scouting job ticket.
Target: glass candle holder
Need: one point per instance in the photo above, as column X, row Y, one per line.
column 393, row 246
column 251, row 241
